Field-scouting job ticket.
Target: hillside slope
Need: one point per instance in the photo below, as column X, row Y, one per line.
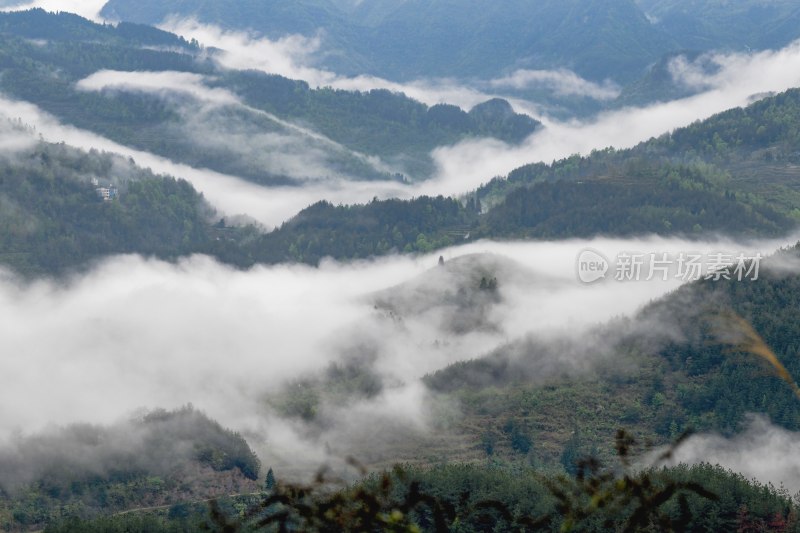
column 681, row 363
column 156, row 92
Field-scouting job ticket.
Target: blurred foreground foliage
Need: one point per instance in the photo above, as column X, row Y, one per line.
column 493, row 497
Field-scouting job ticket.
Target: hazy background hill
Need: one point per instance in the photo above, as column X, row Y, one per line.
column 420, row 38
column 273, row 17
column 738, row 25
column 597, row 39
column 406, row 39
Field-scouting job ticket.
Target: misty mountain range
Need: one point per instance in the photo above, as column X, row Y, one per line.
column 693, row 181
column 80, row 77
column 347, row 231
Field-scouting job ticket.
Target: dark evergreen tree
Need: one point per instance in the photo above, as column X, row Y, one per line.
column 269, row 482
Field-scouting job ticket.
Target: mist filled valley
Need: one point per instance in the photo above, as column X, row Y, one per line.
column 399, row 265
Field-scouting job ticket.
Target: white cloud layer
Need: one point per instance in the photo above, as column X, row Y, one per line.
column 262, row 140
column 161, row 82
column 14, row 138
column 562, row 82
column 763, row 451
column 142, row 333
column 740, row 78
column 293, row 57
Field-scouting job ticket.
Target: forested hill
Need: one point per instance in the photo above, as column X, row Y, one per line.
column 695, row 359
column 52, row 218
column 39, row 24
column 753, row 150
column 734, row 174
column 400, row 131
column 159, row 459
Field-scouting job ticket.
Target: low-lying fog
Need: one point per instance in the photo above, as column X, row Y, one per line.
column 136, row 333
